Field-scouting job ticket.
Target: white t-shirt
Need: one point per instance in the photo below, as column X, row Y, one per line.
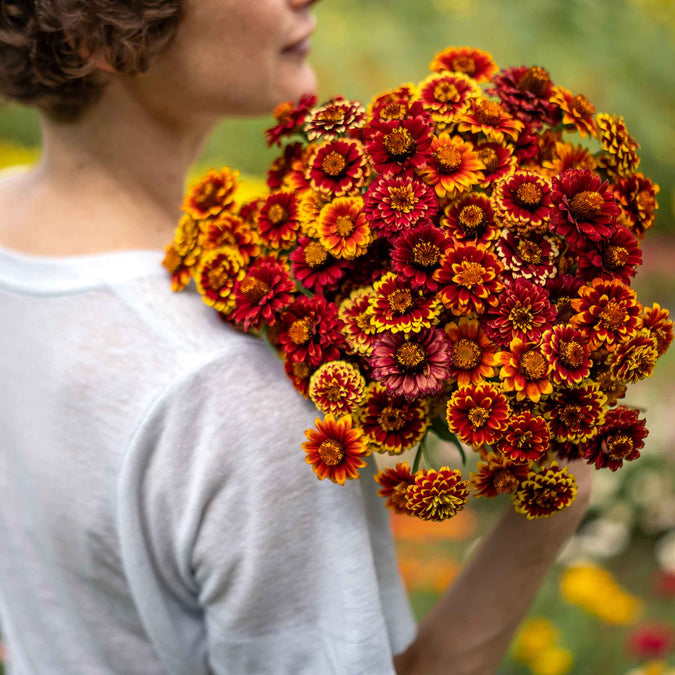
column 156, row 511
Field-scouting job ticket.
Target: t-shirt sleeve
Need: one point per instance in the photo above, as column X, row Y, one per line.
column 239, row 559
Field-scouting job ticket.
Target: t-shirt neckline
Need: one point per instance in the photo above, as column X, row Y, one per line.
column 50, row 275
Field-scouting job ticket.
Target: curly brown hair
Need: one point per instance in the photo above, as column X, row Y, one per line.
column 49, row 48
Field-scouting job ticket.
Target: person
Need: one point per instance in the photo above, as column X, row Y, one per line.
column 155, row 513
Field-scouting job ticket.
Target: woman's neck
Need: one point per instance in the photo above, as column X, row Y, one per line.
column 113, row 180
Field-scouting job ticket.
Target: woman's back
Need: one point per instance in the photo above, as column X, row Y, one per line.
column 156, row 506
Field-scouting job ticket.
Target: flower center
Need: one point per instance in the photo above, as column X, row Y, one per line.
column 300, row 330
column 583, row 106
column 449, row 158
column 399, row 496
column 570, row 416
column 402, row 198
column 530, row 252
column 613, row 315
column 619, row 446
column 471, row 217
column 489, row 112
column 217, row 277
column 400, row 300
column 524, row 440
column 547, row 499
column 425, row 254
column 393, row 111
column 528, row 195
column 466, row 354
column 277, row 214
column 282, row 113
column 300, row 370
column 362, row 321
column 445, row 91
column 410, row 355
column 464, row 64
column 254, row 289
column 470, row 274
column 315, row 254
column 490, row 159
column 478, row 416
column 331, row 452
column 391, row 419
column 533, row 365
column 615, row 257
column 206, row 197
column 504, row 481
column 334, row 163
column 571, row 354
column 344, row 226
column 535, row 80
column 332, row 114
column 586, row 205
column 333, row 392
column 563, row 306
column 399, row 143
column 521, row 318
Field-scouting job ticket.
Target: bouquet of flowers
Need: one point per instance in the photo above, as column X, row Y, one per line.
column 445, row 261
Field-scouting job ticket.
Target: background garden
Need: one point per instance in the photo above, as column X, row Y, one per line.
column 608, row 607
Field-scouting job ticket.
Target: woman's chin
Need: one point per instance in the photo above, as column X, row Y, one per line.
column 295, row 80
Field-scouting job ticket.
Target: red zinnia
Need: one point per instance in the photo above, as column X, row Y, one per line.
column 489, row 118
column 475, row 63
column 530, row 257
column 265, row 291
column 398, row 145
column 398, row 203
column 565, row 348
column 289, row 118
column 278, row 220
column 497, row 475
column 310, row 331
column 478, row 414
column 526, row 438
column 576, row 413
column 437, row 495
column 523, row 201
column 470, row 218
column 414, row 365
column 636, row 196
column 314, row 267
column 395, row 483
column 525, row 371
column 338, row 168
column 336, row 449
column 446, row 95
column 618, row 440
column 474, row 356
column 656, row 320
column 616, row 257
column 545, row 492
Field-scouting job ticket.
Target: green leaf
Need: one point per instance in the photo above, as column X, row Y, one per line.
column 418, row 456
column 440, row 428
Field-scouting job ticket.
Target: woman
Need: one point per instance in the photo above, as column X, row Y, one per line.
column 155, row 515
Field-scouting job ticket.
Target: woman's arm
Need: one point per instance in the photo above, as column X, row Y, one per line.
column 471, row 627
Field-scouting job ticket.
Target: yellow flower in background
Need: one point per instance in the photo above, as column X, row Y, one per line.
column 596, row 591
column 652, row 668
column 537, row 634
column 14, row 155
column 553, row 660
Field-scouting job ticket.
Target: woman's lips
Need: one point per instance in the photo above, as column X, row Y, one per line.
column 299, row 48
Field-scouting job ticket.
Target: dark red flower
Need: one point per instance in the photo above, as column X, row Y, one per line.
column 398, row 145
column 470, row 218
column 530, row 257
column 615, row 257
column 584, row 207
column 561, row 291
column 636, row 196
column 525, row 93
column 314, row 267
column 289, row 118
column 338, row 168
column 310, row 331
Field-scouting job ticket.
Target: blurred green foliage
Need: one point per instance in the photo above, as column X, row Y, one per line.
column 618, row 53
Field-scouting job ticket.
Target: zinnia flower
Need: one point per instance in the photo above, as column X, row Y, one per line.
column 417, row 255
column 523, row 201
column 395, row 483
column 289, row 118
column 497, row 475
column 475, row 63
column 576, row 413
column 636, row 196
column 530, row 257
column 526, row 438
column 470, row 218
column 524, row 312
column 414, row 365
column 310, row 331
column 336, row 449
column 585, row 209
column 393, row 424
column 618, row 440
column 228, row 229
column 314, row 267
column 576, row 111
column 337, row 387
column 338, row 167
column 634, row 359
column 498, row 160
column 212, row 194
column 474, row 356
column 334, row 119
column 343, row 229
column 489, row 118
column 478, row 413
column 615, row 257
column 398, row 145
column 469, row 279
column 358, row 328
column 565, row 348
column 656, row 320
column 453, row 166
column 264, row 291
column 437, row 495
column 278, row 220
column 607, row 312
column 395, row 307
column 525, row 371
column 216, row 276
column 622, row 157
column 398, row 203
column 545, row 492
column 446, row 95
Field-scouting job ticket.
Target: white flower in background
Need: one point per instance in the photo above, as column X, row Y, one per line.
column 621, row 511
column 605, row 485
column 665, row 551
column 603, row 538
column 649, row 487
